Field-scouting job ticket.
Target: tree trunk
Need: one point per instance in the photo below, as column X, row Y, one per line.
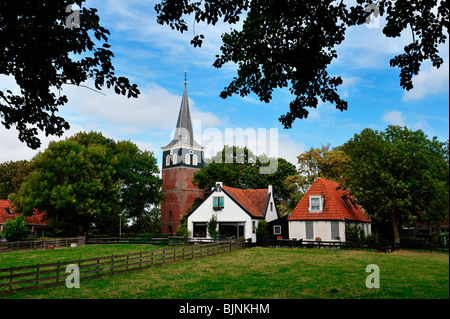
column 395, row 227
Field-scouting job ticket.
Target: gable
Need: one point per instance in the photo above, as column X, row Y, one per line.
column 252, row 201
column 334, row 204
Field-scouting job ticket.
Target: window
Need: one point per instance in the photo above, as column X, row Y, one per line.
column 167, row 160
column 353, row 203
column 194, row 160
column 277, row 230
column 187, row 159
column 253, row 227
column 271, row 206
column 334, row 230
column 346, row 201
column 315, row 204
column 8, row 210
column 199, row 229
column 309, row 230
column 175, row 159
column 218, row 202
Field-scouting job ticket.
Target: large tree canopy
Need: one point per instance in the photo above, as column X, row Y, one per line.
column 85, row 181
column 43, row 54
column 290, row 44
column 398, row 175
column 73, row 184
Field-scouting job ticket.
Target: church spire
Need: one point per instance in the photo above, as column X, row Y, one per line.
column 183, row 132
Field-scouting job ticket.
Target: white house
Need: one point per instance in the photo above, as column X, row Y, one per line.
column 324, row 212
column 238, row 212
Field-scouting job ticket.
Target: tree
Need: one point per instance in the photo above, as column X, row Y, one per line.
column 73, row 184
column 136, row 175
column 15, row 229
column 291, row 43
column 239, row 167
column 398, row 175
column 12, row 174
column 323, row 161
column 43, row 55
column 212, row 227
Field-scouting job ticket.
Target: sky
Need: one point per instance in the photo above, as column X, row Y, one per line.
column 155, row 57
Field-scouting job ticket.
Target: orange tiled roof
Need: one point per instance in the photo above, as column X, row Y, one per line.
column 36, row 219
column 334, row 207
column 252, row 200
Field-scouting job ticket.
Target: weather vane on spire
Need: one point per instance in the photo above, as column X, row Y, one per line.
column 185, row 78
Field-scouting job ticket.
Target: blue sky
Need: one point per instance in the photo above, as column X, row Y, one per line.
column 155, row 57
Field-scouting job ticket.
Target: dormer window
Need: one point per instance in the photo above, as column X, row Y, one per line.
column 218, row 203
column 315, row 203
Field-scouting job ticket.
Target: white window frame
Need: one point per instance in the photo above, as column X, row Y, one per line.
column 187, row 159
column 175, row 159
column 194, row 160
column 315, row 210
column 167, row 160
column 277, row 229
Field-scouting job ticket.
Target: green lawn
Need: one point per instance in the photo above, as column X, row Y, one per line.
column 260, row 273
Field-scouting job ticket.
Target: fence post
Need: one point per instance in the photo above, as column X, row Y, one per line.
column 112, row 262
column 10, row 278
column 57, row 272
column 37, row 275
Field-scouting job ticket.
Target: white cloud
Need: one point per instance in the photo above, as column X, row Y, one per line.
column 394, row 117
column 155, row 108
column 429, row 81
column 12, row 149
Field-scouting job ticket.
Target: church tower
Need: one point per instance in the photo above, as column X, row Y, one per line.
column 182, row 157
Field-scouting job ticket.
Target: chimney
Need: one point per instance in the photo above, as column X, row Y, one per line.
column 218, row 187
column 270, row 190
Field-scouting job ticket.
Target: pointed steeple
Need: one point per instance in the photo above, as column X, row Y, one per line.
column 183, row 132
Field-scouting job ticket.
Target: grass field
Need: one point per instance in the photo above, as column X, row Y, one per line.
column 268, row 273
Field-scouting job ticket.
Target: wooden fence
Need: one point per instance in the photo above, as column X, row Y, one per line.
column 42, row 244
column 170, row 240
column 14, row 279
column 352, row 245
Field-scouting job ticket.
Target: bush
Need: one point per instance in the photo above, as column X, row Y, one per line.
column 418, row 243
column 353, row 234
column 15, row 229
column 263, row 233
column 374, row 240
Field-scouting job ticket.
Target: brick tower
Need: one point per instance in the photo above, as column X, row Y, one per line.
column 181, row 159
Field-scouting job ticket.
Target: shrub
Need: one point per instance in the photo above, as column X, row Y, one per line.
column 212, row 227
column 15, row 229
column 353, row 234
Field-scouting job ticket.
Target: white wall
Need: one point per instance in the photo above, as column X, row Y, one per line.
column 230, row 213
column 322, row 229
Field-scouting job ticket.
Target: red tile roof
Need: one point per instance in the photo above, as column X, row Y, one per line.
column 252, row 200
column 334, row 207
column 36, row 219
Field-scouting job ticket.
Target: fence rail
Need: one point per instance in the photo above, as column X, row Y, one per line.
column 14, row 279
column 41, row 244
column 172, row 240
column 352, row 245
